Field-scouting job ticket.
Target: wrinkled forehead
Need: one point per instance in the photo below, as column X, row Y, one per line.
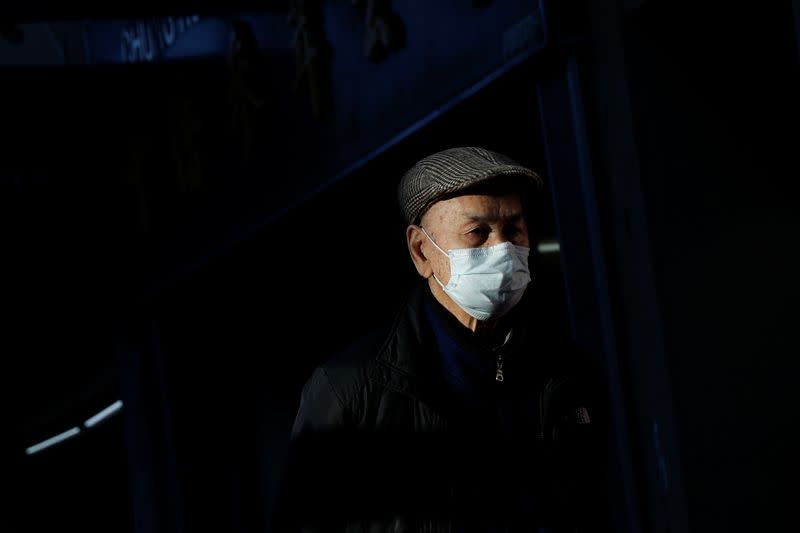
column 505, row 187
column 474, row 208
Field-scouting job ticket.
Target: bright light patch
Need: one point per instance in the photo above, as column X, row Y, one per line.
column 105, row 413
column 52, row 441
column 549, row 248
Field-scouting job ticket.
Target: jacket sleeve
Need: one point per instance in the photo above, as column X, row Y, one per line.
column 306, row 500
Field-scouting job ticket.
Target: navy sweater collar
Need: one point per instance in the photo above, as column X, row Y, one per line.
column 468, row 362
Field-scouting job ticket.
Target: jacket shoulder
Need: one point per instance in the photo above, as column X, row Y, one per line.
column 346, row 371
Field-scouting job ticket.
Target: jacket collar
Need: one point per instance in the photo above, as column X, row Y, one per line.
column 408, row 361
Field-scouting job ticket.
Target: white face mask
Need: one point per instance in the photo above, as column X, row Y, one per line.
column 486, row 282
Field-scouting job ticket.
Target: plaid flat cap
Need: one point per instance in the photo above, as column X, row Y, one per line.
column 453, row 170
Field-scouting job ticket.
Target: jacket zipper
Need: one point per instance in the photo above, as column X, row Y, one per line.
column 498, row 376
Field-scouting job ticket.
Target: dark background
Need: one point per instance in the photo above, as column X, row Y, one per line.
column 691, row 118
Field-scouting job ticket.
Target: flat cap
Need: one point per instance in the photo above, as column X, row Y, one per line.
column 450, row 171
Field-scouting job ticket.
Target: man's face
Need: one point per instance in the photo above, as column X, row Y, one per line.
column 472, row 221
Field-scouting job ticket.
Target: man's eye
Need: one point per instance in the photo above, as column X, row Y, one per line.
column 480, row 231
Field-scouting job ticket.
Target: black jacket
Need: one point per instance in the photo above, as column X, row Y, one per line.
column 380, row 444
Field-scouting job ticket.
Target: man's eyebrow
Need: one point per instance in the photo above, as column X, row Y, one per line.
column 473, row 217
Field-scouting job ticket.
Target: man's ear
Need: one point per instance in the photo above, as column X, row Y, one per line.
column 415, row 238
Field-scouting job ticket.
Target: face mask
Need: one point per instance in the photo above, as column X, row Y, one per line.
column 486, row 282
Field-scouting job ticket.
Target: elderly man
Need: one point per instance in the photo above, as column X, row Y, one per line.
column 470, row 412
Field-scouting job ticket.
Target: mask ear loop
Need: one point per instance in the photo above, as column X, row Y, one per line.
column 438, row 248
column 432, row 241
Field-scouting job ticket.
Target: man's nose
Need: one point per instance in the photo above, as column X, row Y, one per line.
column 497, row 238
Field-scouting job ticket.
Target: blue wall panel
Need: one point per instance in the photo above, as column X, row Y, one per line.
column 450, row 49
